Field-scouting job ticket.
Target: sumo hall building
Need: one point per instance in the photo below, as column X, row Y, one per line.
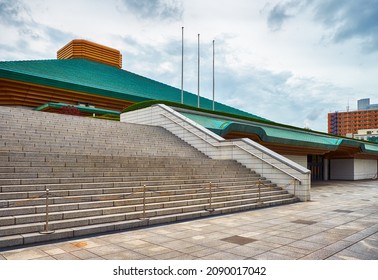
column 89, row 77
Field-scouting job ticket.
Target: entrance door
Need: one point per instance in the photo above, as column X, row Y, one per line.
column 315, row 163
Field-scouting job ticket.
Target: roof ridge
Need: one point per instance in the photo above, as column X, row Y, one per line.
column 26, row 60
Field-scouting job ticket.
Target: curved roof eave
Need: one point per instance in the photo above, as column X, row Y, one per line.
column 370, row 149
column 261, row 133
column 265, row 137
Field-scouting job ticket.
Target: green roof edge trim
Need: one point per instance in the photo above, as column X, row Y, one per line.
column 250, row 129
column 365, row 146
column 145, row 104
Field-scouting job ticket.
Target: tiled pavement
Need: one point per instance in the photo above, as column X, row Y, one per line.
column 340, row 222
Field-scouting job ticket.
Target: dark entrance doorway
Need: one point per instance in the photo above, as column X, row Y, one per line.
column 315, row 163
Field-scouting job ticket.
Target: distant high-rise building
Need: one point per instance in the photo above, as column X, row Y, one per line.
column 348, row 123
column 364, row 104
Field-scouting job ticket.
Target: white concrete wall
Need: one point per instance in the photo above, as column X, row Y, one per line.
column 269, row 164
column 353, row 169
column 365, row 169
column 301, row 160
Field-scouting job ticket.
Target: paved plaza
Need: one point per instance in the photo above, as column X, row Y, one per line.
column 339, row 223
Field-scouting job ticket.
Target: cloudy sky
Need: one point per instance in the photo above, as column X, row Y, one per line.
column 290, row 61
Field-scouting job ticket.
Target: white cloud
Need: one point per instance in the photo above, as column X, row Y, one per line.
column 290, row 61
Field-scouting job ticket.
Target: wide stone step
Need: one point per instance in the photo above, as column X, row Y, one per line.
column 41, row 167
column 121, row 152
column 159, row 183
column 121, row 197
column 94, row 145
column 156, row 172
column 135, row 205
column 30, row 146
column 60, row 220
column 90, row 159
column 116, row 161
column 94, row 142
column 151, row 181
column 31, row 166
column 81, row 228
column 110, row 171
column 23, row 206
column 37, row 198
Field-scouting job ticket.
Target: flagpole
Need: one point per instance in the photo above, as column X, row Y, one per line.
column 198, row 105
column 182, row 65
column 213, row 78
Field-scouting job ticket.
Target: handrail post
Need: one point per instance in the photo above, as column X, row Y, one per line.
column 210, row 209
column 46, row 228
column 262, row 164
column 144, row 204
column 259, row 190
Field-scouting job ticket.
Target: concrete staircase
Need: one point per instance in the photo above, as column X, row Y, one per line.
column 106, row 176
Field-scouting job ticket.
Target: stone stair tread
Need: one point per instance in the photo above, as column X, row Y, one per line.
column 96, row 215
column 150, row 180
column 99, row 195
column 135, row 202
column 19, row 209
column 150, row 184
column 28, row 238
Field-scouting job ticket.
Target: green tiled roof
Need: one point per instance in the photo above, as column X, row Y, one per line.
column 277, row 134
column 100, row 79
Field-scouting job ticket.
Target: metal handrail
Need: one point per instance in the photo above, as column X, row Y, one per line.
column 144, row 191
column 234, row 145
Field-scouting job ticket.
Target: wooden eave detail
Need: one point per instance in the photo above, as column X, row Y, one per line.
column 27, row 94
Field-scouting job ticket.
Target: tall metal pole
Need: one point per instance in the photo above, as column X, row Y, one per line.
column 198, row 105
column 182, row 65
column 213, row 77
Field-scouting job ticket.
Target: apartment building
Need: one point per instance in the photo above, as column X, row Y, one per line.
column 348, row 123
